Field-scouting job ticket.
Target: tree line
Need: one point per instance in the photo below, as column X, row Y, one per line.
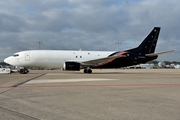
column 155, row 62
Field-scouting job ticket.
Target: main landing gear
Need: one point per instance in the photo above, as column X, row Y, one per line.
column 87, row 70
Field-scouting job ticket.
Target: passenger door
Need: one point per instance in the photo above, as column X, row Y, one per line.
column 27, row 56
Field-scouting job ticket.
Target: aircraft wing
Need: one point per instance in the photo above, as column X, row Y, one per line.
column 159, row 53
column 99, row 61
column 102, row 61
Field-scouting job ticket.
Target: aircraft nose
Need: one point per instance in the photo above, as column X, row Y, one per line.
column 6, row 60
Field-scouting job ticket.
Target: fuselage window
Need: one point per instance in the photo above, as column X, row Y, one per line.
column 15, row 55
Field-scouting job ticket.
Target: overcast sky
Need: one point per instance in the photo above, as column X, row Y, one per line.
column 88, row 25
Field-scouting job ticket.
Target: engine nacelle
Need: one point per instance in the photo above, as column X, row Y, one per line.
column 74, row 66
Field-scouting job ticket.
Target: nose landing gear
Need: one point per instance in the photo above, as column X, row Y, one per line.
column 23, row 71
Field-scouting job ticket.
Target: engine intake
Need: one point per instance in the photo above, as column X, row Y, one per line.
column 73, row 66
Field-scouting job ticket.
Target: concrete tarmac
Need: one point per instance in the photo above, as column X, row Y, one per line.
column 111, row 94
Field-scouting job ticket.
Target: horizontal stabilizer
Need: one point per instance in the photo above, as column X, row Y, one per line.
column 159, row 53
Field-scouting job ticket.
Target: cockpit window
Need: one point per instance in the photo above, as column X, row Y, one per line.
column 15, row 55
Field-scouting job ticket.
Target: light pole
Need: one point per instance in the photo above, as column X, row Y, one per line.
column 117, row 46
column 39, row 44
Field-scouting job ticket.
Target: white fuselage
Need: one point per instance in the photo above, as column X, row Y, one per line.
column 52, row 58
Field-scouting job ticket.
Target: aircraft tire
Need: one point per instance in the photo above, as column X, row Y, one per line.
column 26, row 71
column 21, row 71
column 85, row 71
column 89, row 71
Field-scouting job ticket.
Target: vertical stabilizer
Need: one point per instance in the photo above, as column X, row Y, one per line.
column 149, row 43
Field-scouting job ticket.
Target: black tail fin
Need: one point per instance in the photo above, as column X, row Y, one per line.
column 149, row 43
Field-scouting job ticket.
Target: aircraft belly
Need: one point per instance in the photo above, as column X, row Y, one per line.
column 117, row 63
column 123, row 62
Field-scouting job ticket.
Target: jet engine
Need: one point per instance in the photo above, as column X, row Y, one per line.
column 73, row 66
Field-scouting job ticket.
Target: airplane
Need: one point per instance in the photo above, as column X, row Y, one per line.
column 87, row 60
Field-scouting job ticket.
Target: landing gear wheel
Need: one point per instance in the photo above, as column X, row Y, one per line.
column 85, row 71
column 23, row 71
column 88, row 70
column 26, row 71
